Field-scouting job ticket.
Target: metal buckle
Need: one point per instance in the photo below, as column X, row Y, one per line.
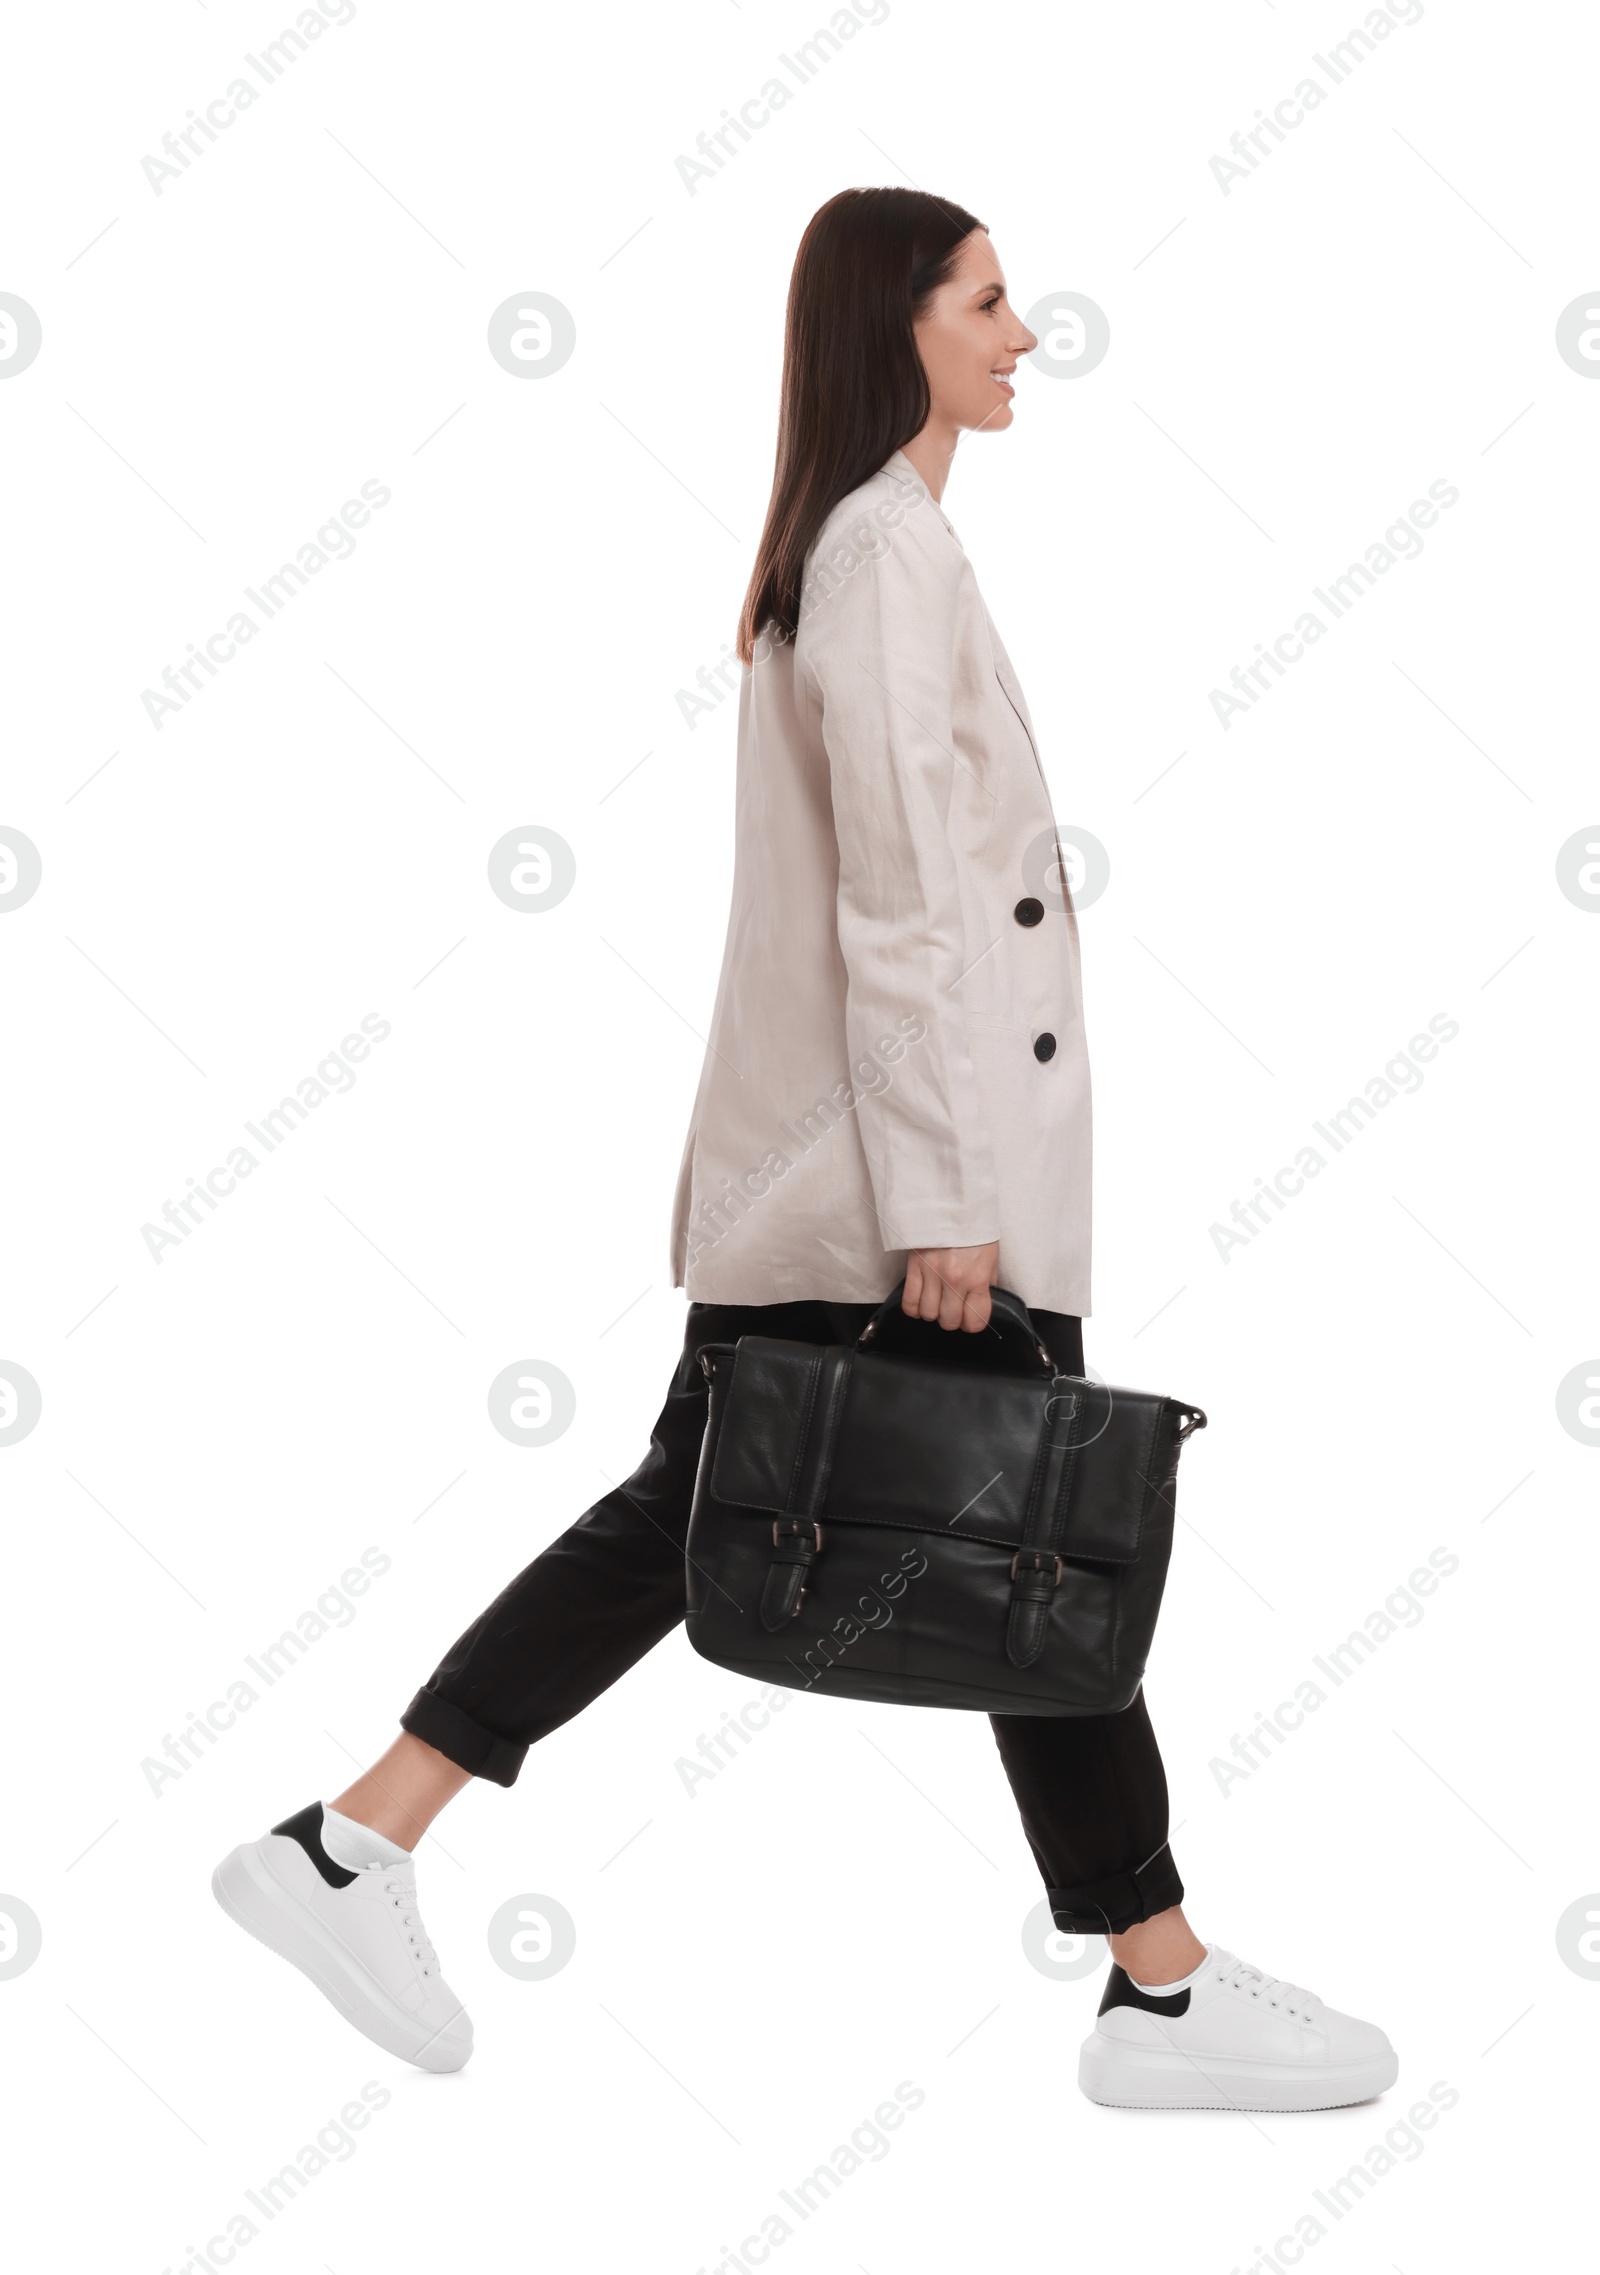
column 793, row 1525
column 1041, row 1561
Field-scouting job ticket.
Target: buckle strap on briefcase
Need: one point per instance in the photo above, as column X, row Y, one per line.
column 1036, row 1568
column 795, row 1540
column 797, row 1537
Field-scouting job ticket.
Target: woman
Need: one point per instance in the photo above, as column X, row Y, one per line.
column 896, row 1086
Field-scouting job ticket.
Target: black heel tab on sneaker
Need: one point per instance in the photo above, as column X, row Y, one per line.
column 1121, row 1990
column 306, row 1828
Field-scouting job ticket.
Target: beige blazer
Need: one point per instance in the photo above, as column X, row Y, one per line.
column 896, row 1057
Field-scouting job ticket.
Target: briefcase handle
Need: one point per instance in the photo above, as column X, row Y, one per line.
column 1020, row 1348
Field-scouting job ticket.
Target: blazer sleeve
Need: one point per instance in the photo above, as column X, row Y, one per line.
column 880, row 649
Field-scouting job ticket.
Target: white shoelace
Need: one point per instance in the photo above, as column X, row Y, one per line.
column 401, row 1889
column 1240, row 1975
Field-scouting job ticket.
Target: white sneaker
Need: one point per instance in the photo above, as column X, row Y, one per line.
column 1230, row 2037
column 358, row 1935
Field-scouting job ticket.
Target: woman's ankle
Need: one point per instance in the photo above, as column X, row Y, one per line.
column 1161, row 1949
column 404, row 1791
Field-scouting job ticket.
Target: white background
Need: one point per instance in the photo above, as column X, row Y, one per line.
column 1292, row 363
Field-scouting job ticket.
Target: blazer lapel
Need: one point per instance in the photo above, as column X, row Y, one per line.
column 1012, row 689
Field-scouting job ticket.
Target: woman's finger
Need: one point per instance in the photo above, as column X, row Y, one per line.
column 912, row 1295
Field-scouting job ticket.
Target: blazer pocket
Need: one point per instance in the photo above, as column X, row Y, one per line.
column 999, row 1020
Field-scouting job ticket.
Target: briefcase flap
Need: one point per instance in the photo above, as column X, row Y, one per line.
column 859, row 1438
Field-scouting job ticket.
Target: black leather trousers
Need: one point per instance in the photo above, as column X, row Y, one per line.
column 1090, row 1788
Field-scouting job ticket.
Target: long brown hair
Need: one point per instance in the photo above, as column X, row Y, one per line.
column 854, row 389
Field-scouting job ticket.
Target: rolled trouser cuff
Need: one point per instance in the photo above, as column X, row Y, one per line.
column 1109, row 1907
column 467, row 1743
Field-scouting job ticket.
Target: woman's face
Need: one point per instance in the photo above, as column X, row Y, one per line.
column 970, row 341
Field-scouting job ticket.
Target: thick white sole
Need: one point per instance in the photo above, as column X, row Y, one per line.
column 249, row 1894
column 1150, row 2077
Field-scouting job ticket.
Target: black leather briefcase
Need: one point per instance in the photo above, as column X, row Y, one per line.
column 931, row 1518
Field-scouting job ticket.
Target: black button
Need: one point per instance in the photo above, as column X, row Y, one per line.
column 1029, row 912
column 1044, row 1046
